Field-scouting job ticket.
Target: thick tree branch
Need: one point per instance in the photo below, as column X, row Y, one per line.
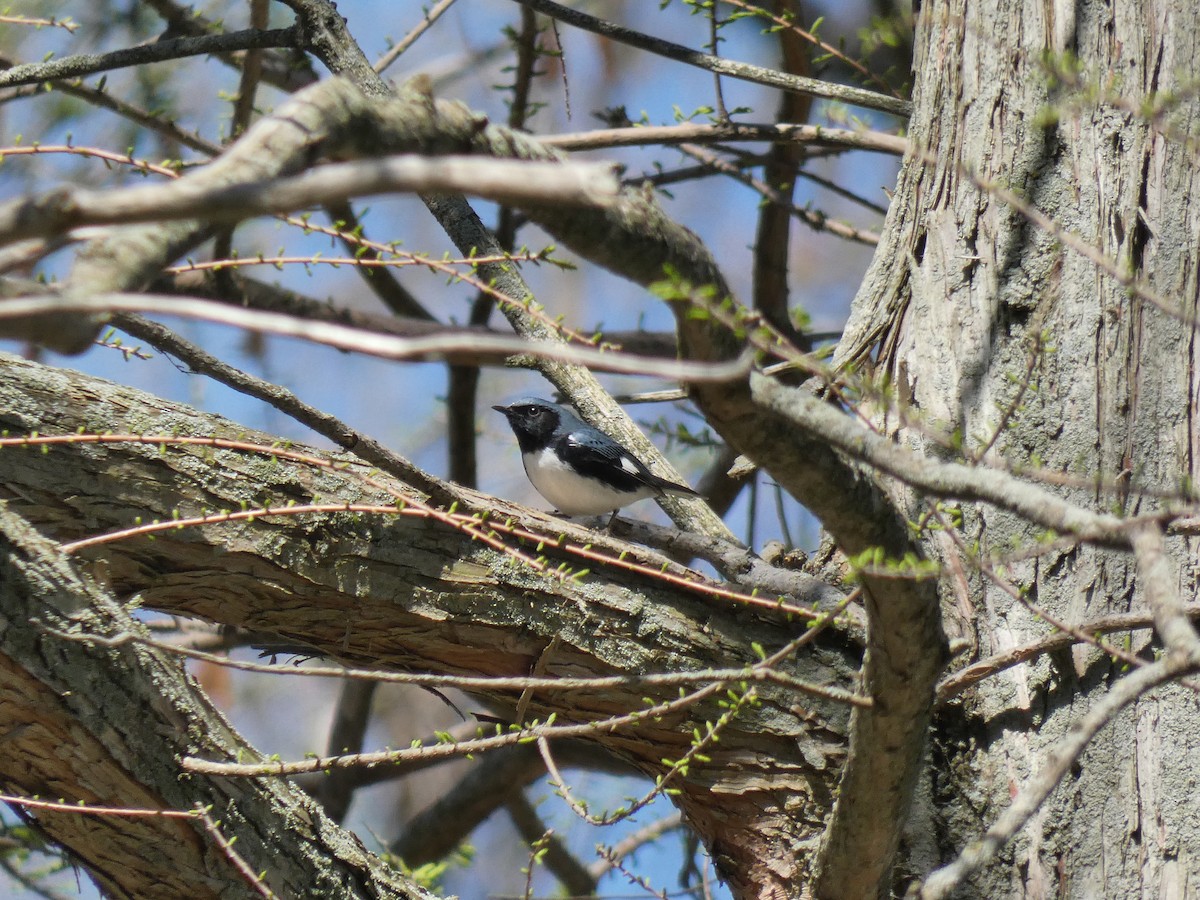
column 409, row 593
column 105, row 726
column 503, row 181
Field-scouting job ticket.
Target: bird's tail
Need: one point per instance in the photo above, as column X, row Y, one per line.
column 670, row 487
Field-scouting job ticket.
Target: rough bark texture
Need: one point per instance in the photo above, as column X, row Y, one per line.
column 408, row 593
column 105, row 726
column 957, row 299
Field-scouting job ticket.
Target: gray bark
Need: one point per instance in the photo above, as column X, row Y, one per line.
column 959, row 296
column 407, row 593
column 105, row 725
column 983, row 323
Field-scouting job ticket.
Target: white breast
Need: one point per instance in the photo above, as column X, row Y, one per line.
column 571, row 492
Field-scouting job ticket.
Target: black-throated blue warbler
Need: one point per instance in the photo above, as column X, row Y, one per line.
column 578, row 468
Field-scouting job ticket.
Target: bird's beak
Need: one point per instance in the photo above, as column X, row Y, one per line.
column 501, row 409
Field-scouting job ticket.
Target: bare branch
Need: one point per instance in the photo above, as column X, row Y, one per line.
column 558, row 859
column 504, row 181
column 942, row 479
column 781, row 202
column 720, row 65
column 726, row 133
column 158, row 51
column 487, row 786
column 463, row 345
column 350, row 719
column 288, row 71
column 628, row 845
column 430, row 15
column 962, row 679
column 386, row 286
column 1160, row 582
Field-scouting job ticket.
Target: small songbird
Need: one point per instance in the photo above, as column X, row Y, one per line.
column 578, row 468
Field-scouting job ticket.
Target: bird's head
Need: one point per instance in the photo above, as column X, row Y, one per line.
column 533, row 420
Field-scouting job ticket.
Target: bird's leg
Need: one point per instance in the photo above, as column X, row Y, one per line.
column 611, row 519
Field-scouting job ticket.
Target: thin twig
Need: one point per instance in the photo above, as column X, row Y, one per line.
column 531, row 684
column 549, row 850
column 243, row 867
column 788, row 22
column 628, row 845
column 954, row 684
column 461, row 344
column 818, row 221
column 740, row 70
column 53, row 22
column 729, row 132
column 432, row 14
column 441, row 751
column 709, row 736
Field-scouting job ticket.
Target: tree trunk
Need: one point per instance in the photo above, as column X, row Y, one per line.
column 991, row 327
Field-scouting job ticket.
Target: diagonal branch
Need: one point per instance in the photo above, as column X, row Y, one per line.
column 721, row 65
column 943, row 881
column 941, row 479
column 1160, row 581
column 286, row 71
column 158, row 51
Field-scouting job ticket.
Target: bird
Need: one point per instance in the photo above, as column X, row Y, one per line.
column 578, row 468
